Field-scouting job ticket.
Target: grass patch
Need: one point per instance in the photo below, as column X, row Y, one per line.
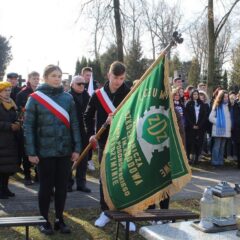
column 81, row 222
column 205, row 164
column 82, row 225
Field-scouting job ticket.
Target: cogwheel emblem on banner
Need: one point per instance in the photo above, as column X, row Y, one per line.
column 152, row 131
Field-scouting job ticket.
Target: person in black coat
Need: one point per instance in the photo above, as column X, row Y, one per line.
column 81, row 98
column 8, row 139
column 21, row 100
column 116, row 91
column 236, row 129
column 195, row 123
column 13, row 79
column 87, row 74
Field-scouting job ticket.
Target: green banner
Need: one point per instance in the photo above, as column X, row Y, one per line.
column 144, row 157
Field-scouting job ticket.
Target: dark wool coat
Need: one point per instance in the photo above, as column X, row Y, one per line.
column 81, row 101
column 195, row 136
column 236, row 122
column 8, row 141
column 22, row 96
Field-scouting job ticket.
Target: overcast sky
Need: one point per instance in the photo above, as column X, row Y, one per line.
column 44, row 31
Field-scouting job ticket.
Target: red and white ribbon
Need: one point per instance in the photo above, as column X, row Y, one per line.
column 53, row 107
column 105, row 100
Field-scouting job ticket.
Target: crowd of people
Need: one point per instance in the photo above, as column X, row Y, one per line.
column 45, row 127
column 211, row 123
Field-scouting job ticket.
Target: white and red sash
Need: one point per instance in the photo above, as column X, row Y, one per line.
column 53, row 107
column 105, row 100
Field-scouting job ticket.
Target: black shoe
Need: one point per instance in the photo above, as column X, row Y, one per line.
column 69, row 189
column 84, row 189
column 9, row 193
column 36, row 179
column 3, row 195
column 20, row 170
column 28, row 182
column 46, row 228
column 62, row 227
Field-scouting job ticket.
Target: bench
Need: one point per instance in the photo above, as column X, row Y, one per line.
column 22, row 222
column 149, row 215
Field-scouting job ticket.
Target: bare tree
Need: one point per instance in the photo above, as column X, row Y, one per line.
column 103, row 12
column 150, row 26
column 131, row 23
column 222, row 52
column 198, row 34
column 199, row 44
column 213, row 34
column 161, row 22
column 99, row 13
column 117, row 18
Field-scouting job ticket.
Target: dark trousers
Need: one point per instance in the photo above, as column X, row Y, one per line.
column 164, row 204
column 81, row 173
column 23, row 158
column 4, row 177
column 103, row 204
column 53, row 173
column 26, row 167
column 90, row 153
column 238, row 154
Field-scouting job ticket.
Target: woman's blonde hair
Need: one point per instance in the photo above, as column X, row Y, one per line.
column 175, row 92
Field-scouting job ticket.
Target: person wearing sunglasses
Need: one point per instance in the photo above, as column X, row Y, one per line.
column 81, row 98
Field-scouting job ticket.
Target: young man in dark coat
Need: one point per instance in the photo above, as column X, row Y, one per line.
column 87, row 74
column 21, row 100
column 114, row 91
column 8, row 140
column 81, row 98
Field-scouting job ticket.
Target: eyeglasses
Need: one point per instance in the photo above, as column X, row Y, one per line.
column 80, row 83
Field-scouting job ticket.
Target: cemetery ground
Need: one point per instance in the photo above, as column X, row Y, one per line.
column 82, row 209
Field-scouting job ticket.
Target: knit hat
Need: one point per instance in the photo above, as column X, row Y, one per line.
column 12, row 75
column 4, row 85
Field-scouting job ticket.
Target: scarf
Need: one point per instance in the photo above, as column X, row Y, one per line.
column 8, row 103
column 221, row 121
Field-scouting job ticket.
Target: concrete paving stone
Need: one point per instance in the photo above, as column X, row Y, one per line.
column 26, row 199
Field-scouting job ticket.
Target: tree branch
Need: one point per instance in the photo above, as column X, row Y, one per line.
column 223, row 20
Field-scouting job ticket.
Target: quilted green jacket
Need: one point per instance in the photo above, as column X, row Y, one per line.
column 45, row 135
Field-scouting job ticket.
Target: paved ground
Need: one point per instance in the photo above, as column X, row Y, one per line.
column 26, row 197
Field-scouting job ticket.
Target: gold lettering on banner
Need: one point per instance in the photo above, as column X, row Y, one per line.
column 153, row 93
column 165, row 170
column 131, row 155
column 163, row 95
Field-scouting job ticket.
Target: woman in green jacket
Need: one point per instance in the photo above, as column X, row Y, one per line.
column 52, row 139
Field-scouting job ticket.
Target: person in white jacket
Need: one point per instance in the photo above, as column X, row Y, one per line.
column 221, row 129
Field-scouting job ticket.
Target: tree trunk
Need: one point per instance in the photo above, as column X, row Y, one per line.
column 117, row 19
column 211, row 48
